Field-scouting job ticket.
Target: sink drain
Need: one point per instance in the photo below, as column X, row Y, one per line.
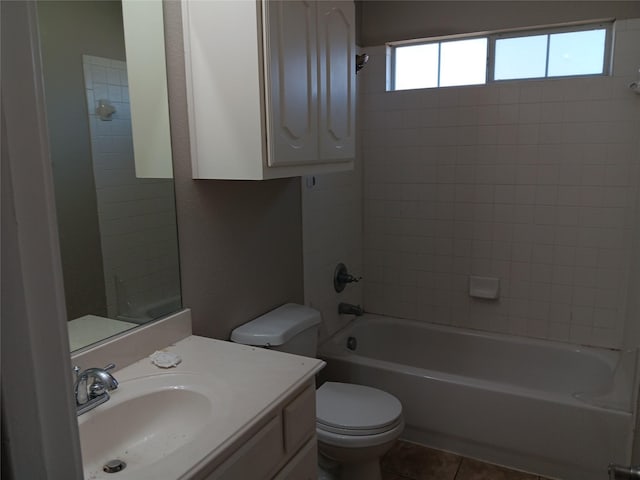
column 114, row 466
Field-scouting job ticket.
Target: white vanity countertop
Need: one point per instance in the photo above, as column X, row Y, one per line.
column 249, row 380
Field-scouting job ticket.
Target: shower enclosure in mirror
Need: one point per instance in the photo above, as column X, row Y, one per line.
column 117, row 230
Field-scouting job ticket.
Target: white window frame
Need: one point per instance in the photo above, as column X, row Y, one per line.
column 492, row 37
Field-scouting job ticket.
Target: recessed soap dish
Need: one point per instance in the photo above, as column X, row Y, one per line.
column 487, row 288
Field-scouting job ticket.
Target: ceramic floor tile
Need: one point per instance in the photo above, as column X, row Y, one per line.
column 416, row 462
column 392, row 476
column 475, row 470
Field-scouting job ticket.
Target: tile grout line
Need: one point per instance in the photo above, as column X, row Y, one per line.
column 458, row 469
column 457, row 475
column 398, row 474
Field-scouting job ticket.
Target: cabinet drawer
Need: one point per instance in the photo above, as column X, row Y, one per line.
column 299, row 419
column 304, row 466
column 258, row 458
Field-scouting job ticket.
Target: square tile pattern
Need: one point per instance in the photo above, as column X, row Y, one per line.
column 138, row 272
column 533, row 182
column 409, row 461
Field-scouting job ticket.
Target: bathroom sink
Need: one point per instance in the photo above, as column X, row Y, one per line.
column 149, row 420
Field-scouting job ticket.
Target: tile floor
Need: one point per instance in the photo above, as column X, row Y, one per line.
column 408, row 461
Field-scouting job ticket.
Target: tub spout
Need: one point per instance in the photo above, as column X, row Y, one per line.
column 618, row 472
column 349, row 309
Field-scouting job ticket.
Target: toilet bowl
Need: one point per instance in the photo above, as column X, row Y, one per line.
column 355, row 424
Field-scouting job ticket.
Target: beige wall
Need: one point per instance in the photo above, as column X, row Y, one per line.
column 67, row 31
column 386, row 21
column 240, row 241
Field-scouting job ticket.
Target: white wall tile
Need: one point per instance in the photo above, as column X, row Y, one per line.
column 130, row 210
column 535, row 180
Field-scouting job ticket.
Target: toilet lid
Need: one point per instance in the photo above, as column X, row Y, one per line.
column 345, row 406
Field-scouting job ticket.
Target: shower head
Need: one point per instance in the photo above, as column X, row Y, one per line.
column 361, row 61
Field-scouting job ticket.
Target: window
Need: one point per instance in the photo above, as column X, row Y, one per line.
column 520, row 57
column 473, row 60
column 417, row 66
column 441, row 64
column 463, row 62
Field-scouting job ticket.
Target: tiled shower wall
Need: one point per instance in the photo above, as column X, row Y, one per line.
column 534, row 182
column 136, row 216
column 632, row 325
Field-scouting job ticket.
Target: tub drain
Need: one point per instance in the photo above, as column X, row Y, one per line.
column 114, row 466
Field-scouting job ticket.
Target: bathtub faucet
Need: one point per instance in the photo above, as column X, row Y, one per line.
column 341, row 277
column 618, row 472
column 349, row 309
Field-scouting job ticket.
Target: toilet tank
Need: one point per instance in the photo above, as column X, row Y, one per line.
column 289, row 328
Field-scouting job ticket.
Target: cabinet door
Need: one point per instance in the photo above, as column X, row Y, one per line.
column 256, row 459
column 292, row 82
column 336, row 54
column 304, row 466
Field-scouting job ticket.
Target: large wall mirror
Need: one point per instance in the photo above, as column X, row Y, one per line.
column 107, row 114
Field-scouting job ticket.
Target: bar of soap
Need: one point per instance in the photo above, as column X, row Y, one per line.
column 165, row 359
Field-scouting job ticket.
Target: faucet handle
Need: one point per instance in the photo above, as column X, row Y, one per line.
column 77, row 370
column 341, row 277
column 96, row 389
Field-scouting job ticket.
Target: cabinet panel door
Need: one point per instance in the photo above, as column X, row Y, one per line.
column 223, row 66
column 257, row 458
column 292, row 83
column 304, row 466
column 299, row 418
column 336, row 42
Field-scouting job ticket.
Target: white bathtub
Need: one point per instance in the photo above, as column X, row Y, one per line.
column 549, row 408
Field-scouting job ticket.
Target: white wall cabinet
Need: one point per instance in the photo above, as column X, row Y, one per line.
column 270, row 87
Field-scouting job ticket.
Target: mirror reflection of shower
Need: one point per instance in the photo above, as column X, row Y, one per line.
column 136, row 216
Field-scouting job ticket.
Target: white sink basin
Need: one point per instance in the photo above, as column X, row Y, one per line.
column 181, row 423
column 149, row 420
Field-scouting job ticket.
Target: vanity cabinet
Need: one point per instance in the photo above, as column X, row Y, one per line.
column 281, row 447
column 270, row 87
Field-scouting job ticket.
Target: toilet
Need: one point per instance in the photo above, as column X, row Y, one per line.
column 355, row 424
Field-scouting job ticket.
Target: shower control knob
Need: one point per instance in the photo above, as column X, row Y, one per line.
column 341, row 277
column 348, row 278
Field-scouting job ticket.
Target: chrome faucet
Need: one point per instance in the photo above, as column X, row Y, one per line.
column 618, row 472
column 92, row 386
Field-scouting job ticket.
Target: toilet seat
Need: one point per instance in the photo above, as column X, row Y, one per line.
column 359, row 441
column 354, row 432
column 356, row 410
